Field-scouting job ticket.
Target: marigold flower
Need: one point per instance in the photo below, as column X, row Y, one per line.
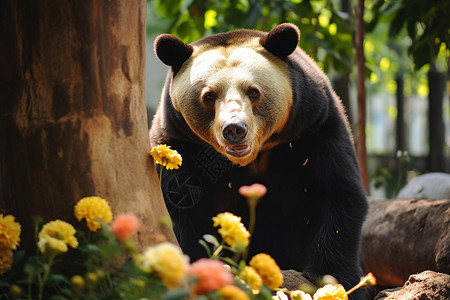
column 232, row 230
column 9, row 232
column 331, row 292
column 268, row 269
column 251, row 278
column 56, row 235
column 124, row 226
column 211, row 275
column 256, row 190
column 167, row 261
column 92, row 208
column 163, row 155
column 232, row 292
column 6, row 259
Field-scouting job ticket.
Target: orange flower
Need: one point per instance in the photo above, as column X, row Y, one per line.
column 211, row 275
column 124, row 226
column 331, row 292
column 268, row 269
column 232, row 292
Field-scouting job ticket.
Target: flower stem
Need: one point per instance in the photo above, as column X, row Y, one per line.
column 251, row 226
column 42, row 280
column 360, row 284
column 217, row 251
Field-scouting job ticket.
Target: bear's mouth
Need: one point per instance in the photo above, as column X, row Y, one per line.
column 238, row 150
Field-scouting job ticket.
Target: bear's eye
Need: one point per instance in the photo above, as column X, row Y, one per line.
column 253, row 94
column 209, row 97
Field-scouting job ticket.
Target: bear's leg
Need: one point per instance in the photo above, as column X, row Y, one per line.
column 335, row 249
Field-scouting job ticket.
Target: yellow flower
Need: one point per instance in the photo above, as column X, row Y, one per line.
column 92, row 208
column 6, row 259
column 232, row 230
column 232, row 292
column 9, row 232
column 251, row 277
column 56, row 235
column 167, row 261
column 268, row 269
column 166, row 157
column 331, row 292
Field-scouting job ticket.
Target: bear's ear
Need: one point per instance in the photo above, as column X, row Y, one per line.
column 171, row 50
column 282, row 40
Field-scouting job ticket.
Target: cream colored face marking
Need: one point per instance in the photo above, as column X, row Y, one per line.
column 229, row 73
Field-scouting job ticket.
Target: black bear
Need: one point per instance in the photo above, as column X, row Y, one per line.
column 249, row 106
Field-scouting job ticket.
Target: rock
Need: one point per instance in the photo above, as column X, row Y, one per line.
column 426, row 285
column 428, row 186
column 403, row 237
column 293, row 280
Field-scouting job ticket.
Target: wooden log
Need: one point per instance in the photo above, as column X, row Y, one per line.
column 72, row 113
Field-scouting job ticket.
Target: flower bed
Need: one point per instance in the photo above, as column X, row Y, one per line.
column 100, row 260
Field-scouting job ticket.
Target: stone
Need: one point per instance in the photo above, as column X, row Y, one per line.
column 293, row 280
column 428, row 186
column 426, row 285
column 404, row 237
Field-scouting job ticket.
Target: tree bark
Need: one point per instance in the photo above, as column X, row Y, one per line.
column 361, row 152
column 72, row 113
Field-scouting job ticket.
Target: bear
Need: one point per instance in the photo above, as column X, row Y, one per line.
column 246, row 107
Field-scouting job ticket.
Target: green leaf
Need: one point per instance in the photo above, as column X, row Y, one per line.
column 175, row 294
column 211, row 239
column 397, row 23
column 58, row 278
column 203, row 243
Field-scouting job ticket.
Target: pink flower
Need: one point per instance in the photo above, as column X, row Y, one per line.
column 255, row 190
column 124, row 226
column 211, row 275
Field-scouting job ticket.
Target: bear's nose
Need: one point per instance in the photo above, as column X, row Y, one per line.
column 234, row 131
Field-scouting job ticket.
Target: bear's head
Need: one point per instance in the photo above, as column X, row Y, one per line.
column 233, row 89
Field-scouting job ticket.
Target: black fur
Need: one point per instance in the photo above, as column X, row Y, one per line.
column 311, row 218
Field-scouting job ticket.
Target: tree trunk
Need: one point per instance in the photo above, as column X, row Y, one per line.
column 361, row 152
column 72, row 113
column 436, row 83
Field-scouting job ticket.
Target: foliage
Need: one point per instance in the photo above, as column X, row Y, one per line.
column 426, row 22
column 326, row 30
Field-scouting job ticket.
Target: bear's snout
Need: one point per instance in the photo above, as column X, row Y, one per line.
column 235, row 130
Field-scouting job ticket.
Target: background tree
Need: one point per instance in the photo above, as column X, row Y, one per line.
column 427, row 24
column 72, row 113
